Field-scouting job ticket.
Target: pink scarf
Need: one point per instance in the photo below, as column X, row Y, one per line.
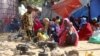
column 63, row 32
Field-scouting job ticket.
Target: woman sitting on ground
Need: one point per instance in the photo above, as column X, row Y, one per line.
column 68, row 34
column 95, row 38
column 42, row 34
column 85, row 29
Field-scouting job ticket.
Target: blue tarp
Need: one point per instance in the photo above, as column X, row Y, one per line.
column 95, row 8
column 81, row 12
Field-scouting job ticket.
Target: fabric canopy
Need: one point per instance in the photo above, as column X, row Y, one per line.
column 65, row 7
column 81, row 12
column 95, row 8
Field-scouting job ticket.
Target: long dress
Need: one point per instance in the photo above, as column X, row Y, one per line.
column 63, row 33
column 85, row 32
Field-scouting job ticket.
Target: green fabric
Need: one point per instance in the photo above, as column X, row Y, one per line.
column 95, row 39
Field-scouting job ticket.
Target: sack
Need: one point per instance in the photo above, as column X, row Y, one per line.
column 71, row 39
column 95, row 38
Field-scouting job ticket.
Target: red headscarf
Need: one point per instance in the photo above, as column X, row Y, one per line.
column 85, row 32
column 37, row 24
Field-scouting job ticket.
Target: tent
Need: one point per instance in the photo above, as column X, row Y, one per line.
column 65, row 7
column 95, row 8
column 83, row 11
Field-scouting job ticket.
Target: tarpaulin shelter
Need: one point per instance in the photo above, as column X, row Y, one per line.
column 65, row 7
column 95, row 8
column 83, row 11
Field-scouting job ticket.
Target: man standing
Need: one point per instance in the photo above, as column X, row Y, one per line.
column 27, row 23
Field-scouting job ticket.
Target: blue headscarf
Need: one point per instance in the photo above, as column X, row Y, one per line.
column 83, row 21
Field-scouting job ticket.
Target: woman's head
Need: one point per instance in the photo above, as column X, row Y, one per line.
column 66, row 22
column 46, row 21
column 94, row 21
column 83, row 20
column 52, row 23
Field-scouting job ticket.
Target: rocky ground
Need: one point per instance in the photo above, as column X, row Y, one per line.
column 9, row 48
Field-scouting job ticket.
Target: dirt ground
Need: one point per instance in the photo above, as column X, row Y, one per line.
column 8, row 48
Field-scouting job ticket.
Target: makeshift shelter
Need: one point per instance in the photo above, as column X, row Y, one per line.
column 83, row 11
column 47, row 11
column 95, row 8
column 65, row 7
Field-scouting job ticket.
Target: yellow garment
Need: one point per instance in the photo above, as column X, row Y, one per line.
column 42, row 37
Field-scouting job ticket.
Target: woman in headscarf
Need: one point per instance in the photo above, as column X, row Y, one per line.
column 37, row 25
column 85, row 29
column 94, row 24
column 68, row 34
column 46, row 24
column 42, row 34
column 52, row 31
column 95, row 38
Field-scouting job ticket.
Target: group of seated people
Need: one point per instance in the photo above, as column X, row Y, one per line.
column 64, row 31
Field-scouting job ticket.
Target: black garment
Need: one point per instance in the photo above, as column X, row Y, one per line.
column 30, row 33
column 74, row 23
